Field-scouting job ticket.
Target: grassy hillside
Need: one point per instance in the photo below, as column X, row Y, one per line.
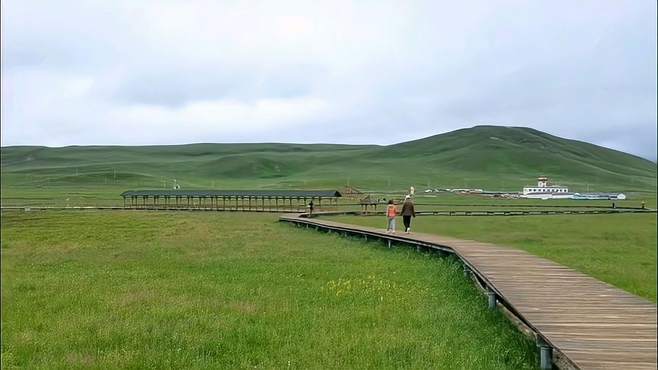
column 516, row 152
column 490, row 157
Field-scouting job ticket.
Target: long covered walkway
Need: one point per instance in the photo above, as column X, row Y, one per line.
column 229, row 200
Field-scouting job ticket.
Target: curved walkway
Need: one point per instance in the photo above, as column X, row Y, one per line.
column 586, row 323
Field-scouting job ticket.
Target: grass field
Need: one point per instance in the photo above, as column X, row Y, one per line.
column 618, row 249
column 218, row 290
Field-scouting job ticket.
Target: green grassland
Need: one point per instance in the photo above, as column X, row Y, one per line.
column 224, row 290
column 84, row 289
column 618, row 249
column 489, row 157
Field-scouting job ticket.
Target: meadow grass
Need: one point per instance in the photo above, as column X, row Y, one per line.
column 227, row 290
column 619, row 249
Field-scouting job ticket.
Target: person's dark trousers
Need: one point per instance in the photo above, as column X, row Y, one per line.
column 407, row 222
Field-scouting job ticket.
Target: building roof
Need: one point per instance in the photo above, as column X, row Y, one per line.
column 234, row 193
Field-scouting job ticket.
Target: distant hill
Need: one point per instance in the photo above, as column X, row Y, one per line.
column 520, row 152
column 490, row 157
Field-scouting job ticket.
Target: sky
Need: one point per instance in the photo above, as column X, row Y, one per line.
column 366, row 72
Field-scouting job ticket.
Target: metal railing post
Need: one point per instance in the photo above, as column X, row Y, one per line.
column 491, row 299
column 545, row 354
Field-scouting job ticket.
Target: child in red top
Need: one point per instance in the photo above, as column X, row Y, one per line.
column 391, row 212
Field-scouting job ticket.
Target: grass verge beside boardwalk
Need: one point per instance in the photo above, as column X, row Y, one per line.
column 213, row 290
column 618, row 249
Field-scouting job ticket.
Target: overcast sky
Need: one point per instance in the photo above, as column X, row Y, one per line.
column 377, row 72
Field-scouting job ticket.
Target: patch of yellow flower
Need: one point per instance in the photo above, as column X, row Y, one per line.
column 372, row 287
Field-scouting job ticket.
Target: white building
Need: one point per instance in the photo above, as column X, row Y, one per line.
column 545, row 189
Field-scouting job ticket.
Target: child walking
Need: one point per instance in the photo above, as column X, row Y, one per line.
column 391, row 212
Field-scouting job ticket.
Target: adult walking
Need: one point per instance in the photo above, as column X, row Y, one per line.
column 408, row 212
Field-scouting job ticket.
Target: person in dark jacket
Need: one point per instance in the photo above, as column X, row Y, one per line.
column 408, row 211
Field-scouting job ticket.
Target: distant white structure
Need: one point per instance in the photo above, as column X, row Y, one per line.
column 599, row 196
column 545, row 189
column 466, row 191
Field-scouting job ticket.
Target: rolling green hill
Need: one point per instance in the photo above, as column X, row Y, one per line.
column 490, row 157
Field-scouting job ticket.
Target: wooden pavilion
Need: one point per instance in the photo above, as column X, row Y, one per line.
column 228, row 200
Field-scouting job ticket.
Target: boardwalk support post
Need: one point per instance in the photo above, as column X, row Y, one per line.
column 492, row 299
column 545, row 354
column 389, row 242
column 467, row 271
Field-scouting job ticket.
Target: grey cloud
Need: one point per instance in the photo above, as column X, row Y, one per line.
column 176, row 85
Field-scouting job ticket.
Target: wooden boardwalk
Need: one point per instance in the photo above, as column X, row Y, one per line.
column 583, row 322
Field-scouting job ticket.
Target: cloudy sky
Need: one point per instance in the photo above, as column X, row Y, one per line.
column 378, row 72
